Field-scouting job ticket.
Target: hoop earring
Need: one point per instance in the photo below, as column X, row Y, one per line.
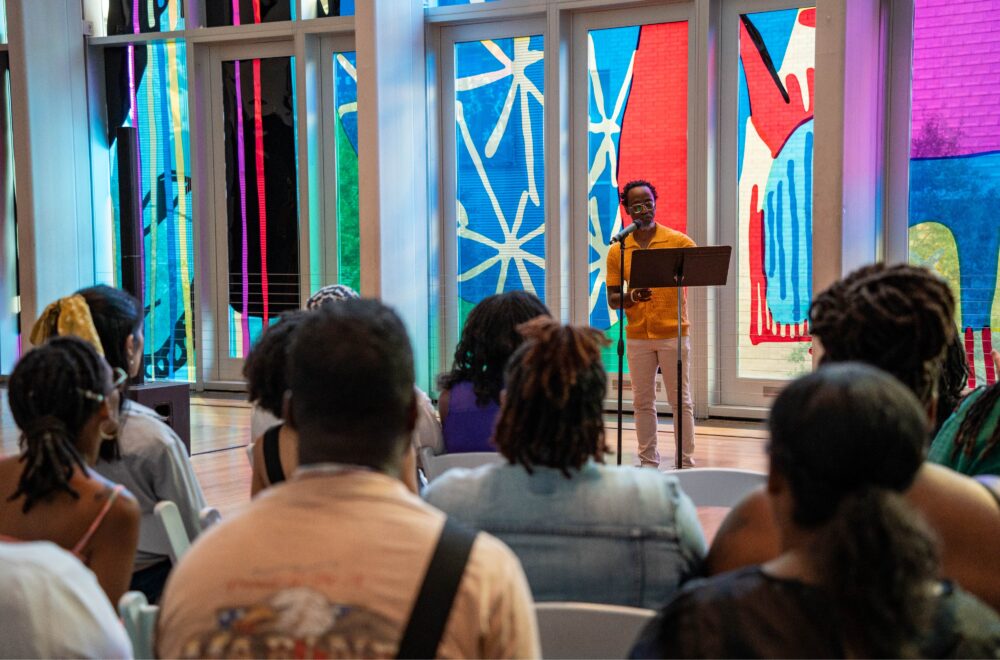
column 108, row 430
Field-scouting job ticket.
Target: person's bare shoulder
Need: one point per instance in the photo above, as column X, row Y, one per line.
column 966, row 519
column 747, row 536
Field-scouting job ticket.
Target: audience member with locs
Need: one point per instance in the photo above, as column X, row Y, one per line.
column 857, row 573
column 900, row 319
column 582, row 530
column 149, row 459
column 470, row 392
column 969, row 441
column 64, row 399
column 330, row 563
column 651, row 331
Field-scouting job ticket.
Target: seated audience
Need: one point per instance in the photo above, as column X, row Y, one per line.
column 900, row 319
column 969, row 442
column 149, row 459
column 857, row 573
column 953, row 382
column 52, row 607
column 330, row 563
column 583, row 531
column 470, row 392
column 63, row 399
column 275, row 451
column 274, row 455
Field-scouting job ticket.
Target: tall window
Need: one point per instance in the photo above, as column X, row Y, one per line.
column 147, row 90
column 140, row 17
column 775, row 191
column 334, row 8
column 499, row 99
column 261, row 195
column 345, row 102
column 637, row 90
column 955, row 164
column 244, row 12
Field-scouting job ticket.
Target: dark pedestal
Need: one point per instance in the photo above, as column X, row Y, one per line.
column 170, row 400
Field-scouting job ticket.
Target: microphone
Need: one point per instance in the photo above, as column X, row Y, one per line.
column 620, row 236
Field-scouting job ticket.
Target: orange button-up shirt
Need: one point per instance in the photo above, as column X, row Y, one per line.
column 656, row 318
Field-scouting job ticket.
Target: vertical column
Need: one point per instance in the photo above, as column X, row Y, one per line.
column 849, row 115
column 392, row 164
column 52, row 151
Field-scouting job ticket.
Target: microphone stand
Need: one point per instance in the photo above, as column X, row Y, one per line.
column 621, row 341
column 679, row 412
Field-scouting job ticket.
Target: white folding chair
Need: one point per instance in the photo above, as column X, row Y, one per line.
column 208, row 517
column 723, row 487
column 436, row 465
column 139, row 618
column 177, row 536
column 589, row 630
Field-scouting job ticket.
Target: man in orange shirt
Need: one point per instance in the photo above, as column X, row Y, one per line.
column 652, row 327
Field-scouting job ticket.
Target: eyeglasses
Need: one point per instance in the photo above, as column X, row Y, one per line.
column 120, row 377
column 641, row 207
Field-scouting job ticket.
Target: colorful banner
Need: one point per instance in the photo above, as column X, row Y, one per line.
column 637, row 129
column 955, row 163
column 775, row 192
column 499, row 87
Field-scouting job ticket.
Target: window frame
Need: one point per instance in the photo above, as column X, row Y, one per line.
column 729, row 388
column 447, row 170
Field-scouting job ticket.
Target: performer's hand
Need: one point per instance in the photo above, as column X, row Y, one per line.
column 640, row 295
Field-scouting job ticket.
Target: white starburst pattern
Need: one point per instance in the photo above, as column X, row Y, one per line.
column 606, row 159
column 511, row 250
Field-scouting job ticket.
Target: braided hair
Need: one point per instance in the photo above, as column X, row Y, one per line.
column 898, row 318
column 875, row 555
column 952, row 382
column 488, row 339
column 266, row 366
column 54, row 390
column 974, row 424
column 552, row 411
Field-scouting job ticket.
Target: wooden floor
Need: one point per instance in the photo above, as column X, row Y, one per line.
column 220, row 431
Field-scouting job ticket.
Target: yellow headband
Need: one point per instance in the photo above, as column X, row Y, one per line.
column 67, row 316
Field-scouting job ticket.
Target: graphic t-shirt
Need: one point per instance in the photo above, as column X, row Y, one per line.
column 329, row 565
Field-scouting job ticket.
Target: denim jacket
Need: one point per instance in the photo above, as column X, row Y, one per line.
column 617, row 535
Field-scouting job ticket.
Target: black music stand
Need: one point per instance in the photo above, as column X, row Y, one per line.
column 676, row 268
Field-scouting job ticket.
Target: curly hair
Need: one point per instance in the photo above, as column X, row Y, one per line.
column 488, row 340
column 266, row 367
column 636, row 183
column 898, row 318
column 553, row 404
column 875, row 555
column 54, row 390
column 974, row 424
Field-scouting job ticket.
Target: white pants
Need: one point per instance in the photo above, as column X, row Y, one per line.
column 644, row 355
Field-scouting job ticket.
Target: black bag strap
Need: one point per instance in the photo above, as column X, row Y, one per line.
column 272, row 455
column 437, row 594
